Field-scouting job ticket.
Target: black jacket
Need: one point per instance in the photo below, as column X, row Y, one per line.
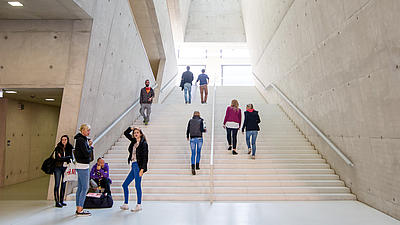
column 251, row 121
column 83, row 152
column 142, row 151
column 195, row 127
column 144, row 96
column 187, row 77
column 64, row 157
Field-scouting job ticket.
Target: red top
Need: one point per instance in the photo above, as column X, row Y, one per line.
column 233, row 115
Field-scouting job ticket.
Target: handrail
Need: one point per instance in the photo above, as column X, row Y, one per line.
column 212, row 146
column 312, row 125
column 135, row 103
column 169, row 82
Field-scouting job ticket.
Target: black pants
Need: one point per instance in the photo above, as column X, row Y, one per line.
column 231, row 135
column 104, row 183
column 58, row 178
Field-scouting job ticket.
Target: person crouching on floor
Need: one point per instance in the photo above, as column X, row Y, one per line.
column 100, row 176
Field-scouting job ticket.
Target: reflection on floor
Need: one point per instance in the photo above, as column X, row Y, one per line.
column 175, row 213
column 31, row 190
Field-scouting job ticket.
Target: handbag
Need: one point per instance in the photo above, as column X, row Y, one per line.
column 70, row 173
column 49, row 164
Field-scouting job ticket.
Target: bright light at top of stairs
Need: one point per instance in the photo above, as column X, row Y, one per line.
column 16, row 4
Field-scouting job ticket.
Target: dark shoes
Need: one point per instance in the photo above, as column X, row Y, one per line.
column 59, row 205
column 83, row 213
column 229, row 148
column 63, row 204
column 193, row 170
column 234, row 152
column 197, row 166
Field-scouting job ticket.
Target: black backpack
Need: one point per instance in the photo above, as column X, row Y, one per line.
column 49, row 165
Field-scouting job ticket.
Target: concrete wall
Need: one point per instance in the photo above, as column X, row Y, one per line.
column 153, row 22
column 3, row 114
column 215, row 21
column 116, row 69
column 32, row 134
column 46, row 53
column 169, row 70
column 179, row 15
column 338, row 61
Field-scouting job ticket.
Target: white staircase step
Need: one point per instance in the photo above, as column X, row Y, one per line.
column 272, row 171
column 284, row 197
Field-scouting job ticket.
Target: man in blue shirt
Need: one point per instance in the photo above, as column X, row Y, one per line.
column 204, row 79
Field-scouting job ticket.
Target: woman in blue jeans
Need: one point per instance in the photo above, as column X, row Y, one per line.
column 251, row 121
column 195, row 131
column 138, row 158
column 83, row 156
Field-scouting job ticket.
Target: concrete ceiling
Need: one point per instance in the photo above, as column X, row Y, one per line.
column 42, row 9
column 37, row 95
column 215, row 21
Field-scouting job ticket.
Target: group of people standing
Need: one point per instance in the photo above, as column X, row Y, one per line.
column 99, row 174
column 83, row 155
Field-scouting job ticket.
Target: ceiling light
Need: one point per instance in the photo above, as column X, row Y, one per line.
column 50, row 99
column 15, row 3
column 11, row 92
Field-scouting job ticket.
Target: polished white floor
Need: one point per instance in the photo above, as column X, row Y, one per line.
column 177, row 213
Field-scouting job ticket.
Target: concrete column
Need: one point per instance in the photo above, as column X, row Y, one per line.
column 3, row 113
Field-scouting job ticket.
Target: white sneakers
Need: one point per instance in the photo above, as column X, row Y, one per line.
column 137, row 209
column 126, row 207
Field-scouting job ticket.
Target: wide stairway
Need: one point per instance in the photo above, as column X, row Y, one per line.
column 286, row 167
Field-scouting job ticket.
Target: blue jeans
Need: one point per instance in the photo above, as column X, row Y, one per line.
column 187, row 88
column 196, row 142
column 83, row 186
column 253, row 135
column 133, row 175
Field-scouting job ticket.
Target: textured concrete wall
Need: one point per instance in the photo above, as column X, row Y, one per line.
column 179, row 15
column 3, row 113
column 32, row 134
column 116, row 69
column 338, row 61
column 46, row 54
column 215, row 21
column 169, row 70
column 153, row 21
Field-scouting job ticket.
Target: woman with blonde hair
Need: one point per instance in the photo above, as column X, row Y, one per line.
column 83, row 156
column 232, row 121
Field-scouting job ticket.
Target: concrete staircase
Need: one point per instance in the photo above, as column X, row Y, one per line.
column 287, row 167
